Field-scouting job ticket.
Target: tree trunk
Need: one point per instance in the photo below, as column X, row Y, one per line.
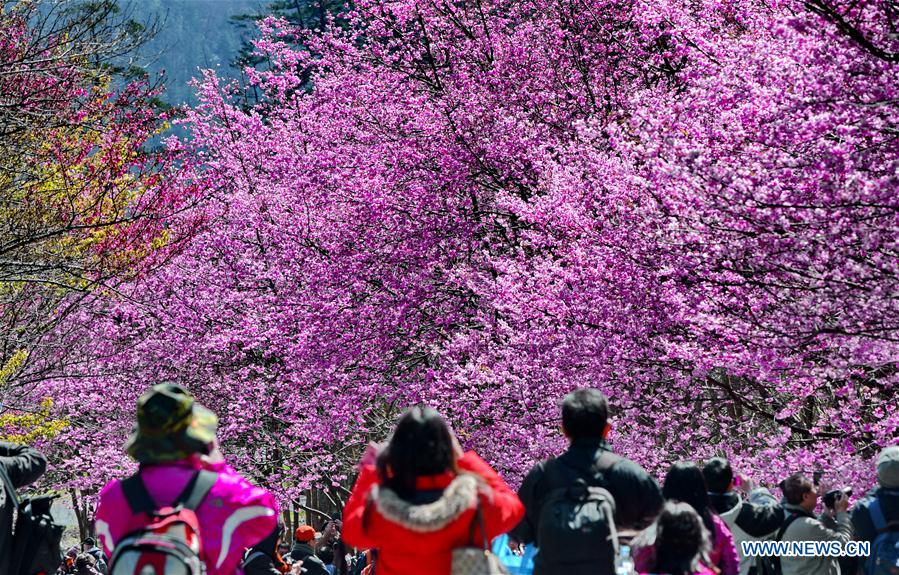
column 318, row 508
column 287, row 517
column 83, row 514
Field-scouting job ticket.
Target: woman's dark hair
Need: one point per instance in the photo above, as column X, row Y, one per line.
column 422, row 444
column 681, row 540
column 686, row 484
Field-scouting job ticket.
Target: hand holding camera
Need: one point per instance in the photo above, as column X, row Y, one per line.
column 838, row 499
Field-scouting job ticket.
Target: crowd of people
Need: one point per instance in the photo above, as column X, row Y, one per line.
column 89, row 560
column 424, row 506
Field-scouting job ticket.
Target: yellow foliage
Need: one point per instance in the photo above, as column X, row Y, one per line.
column 27, row 427
column 19, row 426
column 12, row 365
column 63, row 190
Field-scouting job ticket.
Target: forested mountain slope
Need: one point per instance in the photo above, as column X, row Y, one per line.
column 192, row 34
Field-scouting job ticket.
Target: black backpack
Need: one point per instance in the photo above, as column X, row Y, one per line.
column 576, row 530
column 36, row 537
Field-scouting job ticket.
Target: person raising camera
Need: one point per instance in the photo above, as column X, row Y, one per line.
column 828, row 518
column 421, row 496
column 801, row 496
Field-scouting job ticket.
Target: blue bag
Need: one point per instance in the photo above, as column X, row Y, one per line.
column 516, row 564
column 884, row 558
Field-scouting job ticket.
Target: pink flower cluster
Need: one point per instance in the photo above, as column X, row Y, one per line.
column 484, row 204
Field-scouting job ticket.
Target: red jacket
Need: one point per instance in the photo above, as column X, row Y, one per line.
column 419, row 539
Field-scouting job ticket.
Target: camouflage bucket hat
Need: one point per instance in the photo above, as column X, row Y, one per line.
column 170, row 426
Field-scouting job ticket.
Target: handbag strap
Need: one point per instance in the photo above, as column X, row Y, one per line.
column 476, row 521
column 9, row 487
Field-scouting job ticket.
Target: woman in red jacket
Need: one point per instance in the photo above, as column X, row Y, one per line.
column 416, row 500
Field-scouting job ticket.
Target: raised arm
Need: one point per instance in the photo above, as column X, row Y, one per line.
column 23, row 464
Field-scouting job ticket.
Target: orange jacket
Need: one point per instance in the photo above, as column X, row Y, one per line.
column 416, row 539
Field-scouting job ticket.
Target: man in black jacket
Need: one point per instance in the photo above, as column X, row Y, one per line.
column 89, row 546
column 23, row 465
column 637, row 496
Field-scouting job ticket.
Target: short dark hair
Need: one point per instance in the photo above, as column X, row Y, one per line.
column 585, row 413
column 718, row 474
column 795, row 487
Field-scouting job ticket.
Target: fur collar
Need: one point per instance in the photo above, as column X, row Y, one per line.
column 458, row 497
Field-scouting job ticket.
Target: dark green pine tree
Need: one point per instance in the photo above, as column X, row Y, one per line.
column 312, row 15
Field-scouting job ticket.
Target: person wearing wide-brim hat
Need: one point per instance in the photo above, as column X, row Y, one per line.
column 174, row 441
column 171, row 425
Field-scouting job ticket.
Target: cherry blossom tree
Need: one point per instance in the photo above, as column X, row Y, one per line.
column 482, row 205
column 87, row 201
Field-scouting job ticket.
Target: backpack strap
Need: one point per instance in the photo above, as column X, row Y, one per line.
column 252, row 556
column 197, row 489
column 786, row 525
column 775, row 559
column 137, row 496
column 555, row 477
column 613, row 529
column 140, row 500
column 877, row 517
column 10, row 488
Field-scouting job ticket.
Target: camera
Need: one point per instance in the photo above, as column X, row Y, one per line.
column 830, row 498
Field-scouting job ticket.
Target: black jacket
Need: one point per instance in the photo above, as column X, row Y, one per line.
column 312, row 565
column 756, row 520
column 260, row 559
column 99, row 560
column 83, row 566
column 638, row 497
column 861, row 514
column 259, row 563
column 23, row 465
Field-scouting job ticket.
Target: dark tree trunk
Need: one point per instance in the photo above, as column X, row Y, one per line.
column 83, row 514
